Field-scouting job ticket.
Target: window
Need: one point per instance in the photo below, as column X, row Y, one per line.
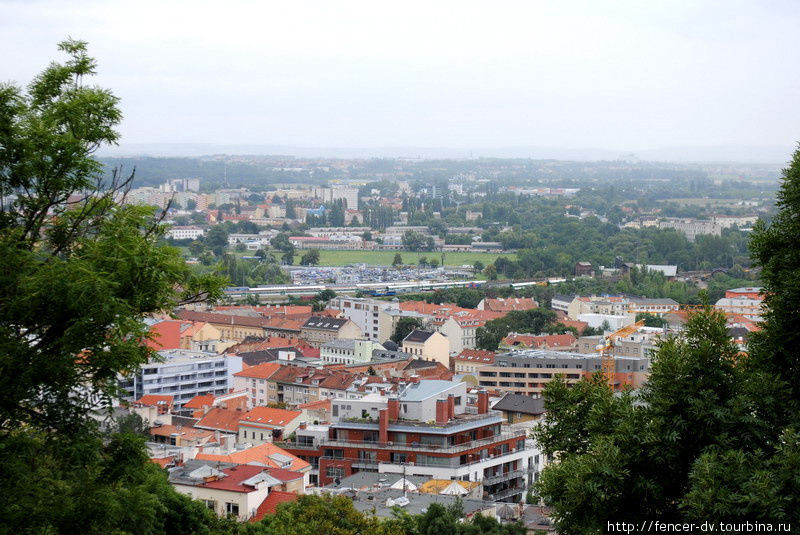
column 211, row 504
column 334, row 472
column 231, row 508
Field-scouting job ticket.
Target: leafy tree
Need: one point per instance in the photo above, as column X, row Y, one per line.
column 310, row 258
column 78, row 279
column 423, row 261
column 416, row 241
column 403, row 328
column 478, row 266
column 191, row 204
column 650, row 320
column 324, row 514
column 490, row 272
column 398, row 260
column 536, row 321
column 217, row 239
column 433, row 262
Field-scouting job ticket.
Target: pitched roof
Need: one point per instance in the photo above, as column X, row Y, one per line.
column 501, row 304
column 476, row 355
column 322, row 404
column 270, row 505
column 198, row 402
column 324, row 323
column 520, row 403
column 219, row 419
column 154, row 400
column 267, row 416
column 260, row 371
column 418, row 336
column 539, row 341
column 263, row 454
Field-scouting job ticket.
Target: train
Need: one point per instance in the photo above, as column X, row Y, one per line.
column 368, row 288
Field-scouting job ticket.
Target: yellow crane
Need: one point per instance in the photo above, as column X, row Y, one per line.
column 607, row 362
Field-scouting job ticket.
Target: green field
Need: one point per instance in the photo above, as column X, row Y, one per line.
column 384, row 258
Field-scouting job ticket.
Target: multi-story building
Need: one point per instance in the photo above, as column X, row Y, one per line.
column 265, row 424
column 183, row 374
column 318, row 330
column 424, row 431
column 470, row 361
column 348, row 351
column 363, row 312
column 255, row 381
column 185, row 232
column 528, row 372
column 428, row 345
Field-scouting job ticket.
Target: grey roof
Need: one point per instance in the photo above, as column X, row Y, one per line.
column 520, row 403
column 375, row 502
column 323, row 323
column 417, row 364
column 425, row 389
column 418, row 336
column 362, row 480
column 655, row 301
column 347, row 344
column 563, row 298
column 191, row 472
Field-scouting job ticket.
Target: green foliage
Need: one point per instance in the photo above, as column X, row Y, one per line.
column 631, row 457
column 650, row 320
column 403, row 328
column 397, row 260
column 310, row 258
column 315, row 515
column 416, row 241
column 536, row 321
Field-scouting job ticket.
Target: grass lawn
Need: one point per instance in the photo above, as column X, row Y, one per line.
column 384, row 258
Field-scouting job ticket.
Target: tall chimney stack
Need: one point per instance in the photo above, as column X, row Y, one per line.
column 441, row 411
column 383, row 426
column 483, row 402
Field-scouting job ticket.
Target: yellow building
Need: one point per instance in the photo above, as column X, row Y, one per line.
column 428, row 345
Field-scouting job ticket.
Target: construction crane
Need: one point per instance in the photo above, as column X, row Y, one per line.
column 606, row 349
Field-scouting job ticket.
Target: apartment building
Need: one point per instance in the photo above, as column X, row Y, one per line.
column 318, row 330
column 365, row 313
column 428, row 345
column 528, row 372
column 182, row 374
column 349, row 351
column 424, row 431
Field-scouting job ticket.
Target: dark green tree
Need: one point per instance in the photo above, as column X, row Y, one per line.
column 404, row 327
column 310, row 258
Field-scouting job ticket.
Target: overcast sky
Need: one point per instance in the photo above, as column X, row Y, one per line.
column 613, row 75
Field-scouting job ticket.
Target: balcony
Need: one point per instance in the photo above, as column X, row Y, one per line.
column 512, row 474
column 458, row 448
column 507, row 493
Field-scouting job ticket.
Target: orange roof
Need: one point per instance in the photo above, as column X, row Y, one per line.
column 154, row 400
column 260, row 371
column 198, row 402
column 221, row 419
column 536, row 341
column 268, row 416
column 270, row 503
column 185, row 433
column 510, row 304
column 316, row 405
column 165, row 335
column 260, row 454
column 476, row 355
column 162, row 461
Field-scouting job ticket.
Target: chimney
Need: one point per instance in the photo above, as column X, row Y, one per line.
column 483, row 402
column 394, row 408
column 451, row 406
column 383, row 426
column 441, row 411
column 413, row 379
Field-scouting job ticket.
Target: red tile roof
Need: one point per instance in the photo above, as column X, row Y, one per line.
column 270, row 505
column 540, row 341
column 155, row 400
column 509, row 304
column 221, row 420
column 267, row 416
column 235, row 476
column 198, row 402
column 476, row 355
column 316, row 405
column 257, row 454
column 260, row 371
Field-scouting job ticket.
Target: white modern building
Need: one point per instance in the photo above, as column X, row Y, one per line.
column 348, row 351
column 364, row 312
column 183, row 374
